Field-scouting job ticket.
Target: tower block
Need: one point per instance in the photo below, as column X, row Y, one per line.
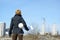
column 54, row 30
column 43, row 27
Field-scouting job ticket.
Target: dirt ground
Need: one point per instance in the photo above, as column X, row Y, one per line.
column 34, row 37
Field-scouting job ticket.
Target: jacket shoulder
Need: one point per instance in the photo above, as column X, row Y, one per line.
column 12, row 18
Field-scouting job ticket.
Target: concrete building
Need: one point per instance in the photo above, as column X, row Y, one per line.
column 54, row 29
column 2, row 29
column 43, row 27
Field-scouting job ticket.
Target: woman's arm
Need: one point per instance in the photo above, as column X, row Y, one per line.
column 25, row 25
column 11, row 27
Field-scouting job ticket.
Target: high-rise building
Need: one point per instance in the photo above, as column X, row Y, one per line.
column 54, row 30
column 2, row 29
column 43, row 27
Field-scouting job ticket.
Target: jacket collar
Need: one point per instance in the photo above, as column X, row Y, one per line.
column 17, row 15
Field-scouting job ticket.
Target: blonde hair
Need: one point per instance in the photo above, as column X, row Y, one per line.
column 18, row 12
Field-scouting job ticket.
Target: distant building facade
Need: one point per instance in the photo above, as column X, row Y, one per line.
column 43, row 27
column 2, row 28
column 54, row 30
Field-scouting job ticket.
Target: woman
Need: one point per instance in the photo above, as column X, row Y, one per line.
column 14, row 29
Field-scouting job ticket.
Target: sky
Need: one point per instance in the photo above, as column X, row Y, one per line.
column 33, row 11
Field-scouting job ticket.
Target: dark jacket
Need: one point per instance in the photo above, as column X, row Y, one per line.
column 14, row 29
